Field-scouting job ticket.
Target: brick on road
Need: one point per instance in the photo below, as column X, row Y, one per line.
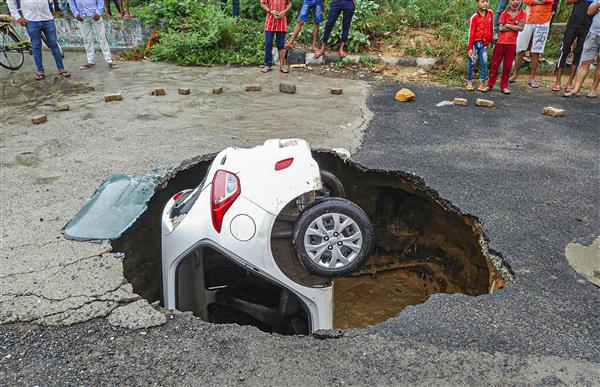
column 554, row 112
column 62, row 107
column 336, row 90
column 253, row 87
column 184, row 90
column 113, row 97
column 217, row 90
column 460, row 101
column 485, row 103
column 158, row 91
column 39, row 119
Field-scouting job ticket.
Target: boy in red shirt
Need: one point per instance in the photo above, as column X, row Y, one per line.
column 275, row 25
column 481, row 32
column 510, row 23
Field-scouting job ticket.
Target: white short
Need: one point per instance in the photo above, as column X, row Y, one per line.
column 539, row 33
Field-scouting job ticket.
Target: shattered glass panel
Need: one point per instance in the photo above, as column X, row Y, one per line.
column 112, row 209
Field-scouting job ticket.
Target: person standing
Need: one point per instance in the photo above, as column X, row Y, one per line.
column 576, row 30
column 536, row 28
column 89, row 13
column 118, row 4
column 481, row 33
column 346, row 8
column 317, row 7
column 36, row 17
column 510, row 23
column 591, row 51
column 275, row 26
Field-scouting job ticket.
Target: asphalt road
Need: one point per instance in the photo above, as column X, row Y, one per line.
column 532, row 180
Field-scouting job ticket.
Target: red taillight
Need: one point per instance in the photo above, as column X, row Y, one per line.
column 225, row 189
column 177, row 195
column 283, row 164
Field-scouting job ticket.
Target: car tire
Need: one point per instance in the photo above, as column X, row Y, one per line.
column 332, row 186
column 333, row 237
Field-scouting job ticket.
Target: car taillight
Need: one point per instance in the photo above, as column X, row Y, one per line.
column 225, row 189
column 177, row 196
column 283, row 164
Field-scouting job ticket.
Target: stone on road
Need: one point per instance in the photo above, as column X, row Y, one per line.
column 113, row 97
column 39, row 119
column 405, row 95
column 554, row 112
column 289, row 88
column 484, row 103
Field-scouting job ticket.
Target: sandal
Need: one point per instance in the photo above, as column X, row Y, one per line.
column 569, row 89
column 533, row 84
column 112, row 66
column 570, row 94
column 469, row 86
column 284, row 69
column 87, row 66
column 40, row 76
column 65, row 73
column 506, row 91
column 556, row 87
column 266, row 69
column 483, row 89
column 592, row 95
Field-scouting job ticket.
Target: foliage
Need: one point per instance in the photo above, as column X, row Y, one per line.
column 366, row 62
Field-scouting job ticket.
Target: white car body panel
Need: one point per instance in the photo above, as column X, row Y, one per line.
column 264, row 193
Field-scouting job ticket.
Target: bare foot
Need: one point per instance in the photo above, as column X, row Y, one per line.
column 341, row 51
column 314, row 48
column 319, row 53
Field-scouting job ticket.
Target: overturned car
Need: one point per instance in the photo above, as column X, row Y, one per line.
column 259, row 239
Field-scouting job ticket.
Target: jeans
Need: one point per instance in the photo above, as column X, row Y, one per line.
column 502, row 4
column 503, row 53
column 35, row 29
column 91, row 29
column 235, row 11
column 279, row 41
column 479, row 51
column 116, row 3
column 569, row 36
column 335, row 8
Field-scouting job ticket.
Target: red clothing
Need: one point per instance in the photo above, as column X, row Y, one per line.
column 539, row 13
column 271, row 23
column 481, row 28
column 503, row 53
column 510, row 37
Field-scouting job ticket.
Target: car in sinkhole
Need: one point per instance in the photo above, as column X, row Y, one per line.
column 217, row 253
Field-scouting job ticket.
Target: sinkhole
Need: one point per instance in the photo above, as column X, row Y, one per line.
column 422, row 245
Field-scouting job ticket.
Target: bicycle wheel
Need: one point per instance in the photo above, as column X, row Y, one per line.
column 11, row 56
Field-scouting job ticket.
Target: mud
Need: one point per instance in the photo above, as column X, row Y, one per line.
column 423, row 245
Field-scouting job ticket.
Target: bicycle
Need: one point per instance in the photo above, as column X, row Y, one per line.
column 13, row 46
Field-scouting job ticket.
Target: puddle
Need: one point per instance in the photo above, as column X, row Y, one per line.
column 423, row 246
column 585, row 259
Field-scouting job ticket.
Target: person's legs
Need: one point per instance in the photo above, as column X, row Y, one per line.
column 315, row 35
column 317, row 19
column 509, row 55
column 49, row 29
column 501, row 7
column 540, row 36
column 280, row 43
column 567, row 41
column 594, row 92
column 471, row 67
column 302, row 18
column 497, row 57
column 577, row 51
column 522, row 44
column 334, row 13
column 582, row 72
column 269, row 48
column 348, row 12
column 100, row 34
column 235, row 10
column 34, row 30
column 483, row 57
column 87, row 32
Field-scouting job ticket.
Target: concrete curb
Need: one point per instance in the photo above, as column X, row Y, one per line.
column 302, row 57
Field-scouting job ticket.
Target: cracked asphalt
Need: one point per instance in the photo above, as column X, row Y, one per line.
column 531, row 180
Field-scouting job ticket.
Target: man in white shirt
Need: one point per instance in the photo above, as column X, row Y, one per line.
column 89, row 13
column 36, row 17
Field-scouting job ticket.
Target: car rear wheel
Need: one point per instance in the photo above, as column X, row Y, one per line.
column 333, row 237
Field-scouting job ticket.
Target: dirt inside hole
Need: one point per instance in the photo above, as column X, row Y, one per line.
column 423, row 246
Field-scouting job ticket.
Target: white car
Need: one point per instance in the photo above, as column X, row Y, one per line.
column 218, row 240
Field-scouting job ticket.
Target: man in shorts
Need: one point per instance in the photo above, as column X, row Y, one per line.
column 591, row 51
column 535, row 31
column 317, row 7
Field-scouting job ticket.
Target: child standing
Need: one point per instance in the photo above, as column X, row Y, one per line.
column 317, row 7
column 510, row 23
column 275, row 26
column 481, row 32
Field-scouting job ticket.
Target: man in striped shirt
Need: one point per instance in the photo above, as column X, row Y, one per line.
column 275, row 26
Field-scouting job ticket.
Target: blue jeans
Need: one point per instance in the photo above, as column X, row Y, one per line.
column 502, row 4
column 235, row 7
column 479, row 51
column 335, row 8
column 279, row 41
column 35, row 29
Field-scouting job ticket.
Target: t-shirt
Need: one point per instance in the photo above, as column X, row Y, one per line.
column 510, row 37
column 539, row 13
column 579, row 17
column 271, row 23
column 595, row 27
